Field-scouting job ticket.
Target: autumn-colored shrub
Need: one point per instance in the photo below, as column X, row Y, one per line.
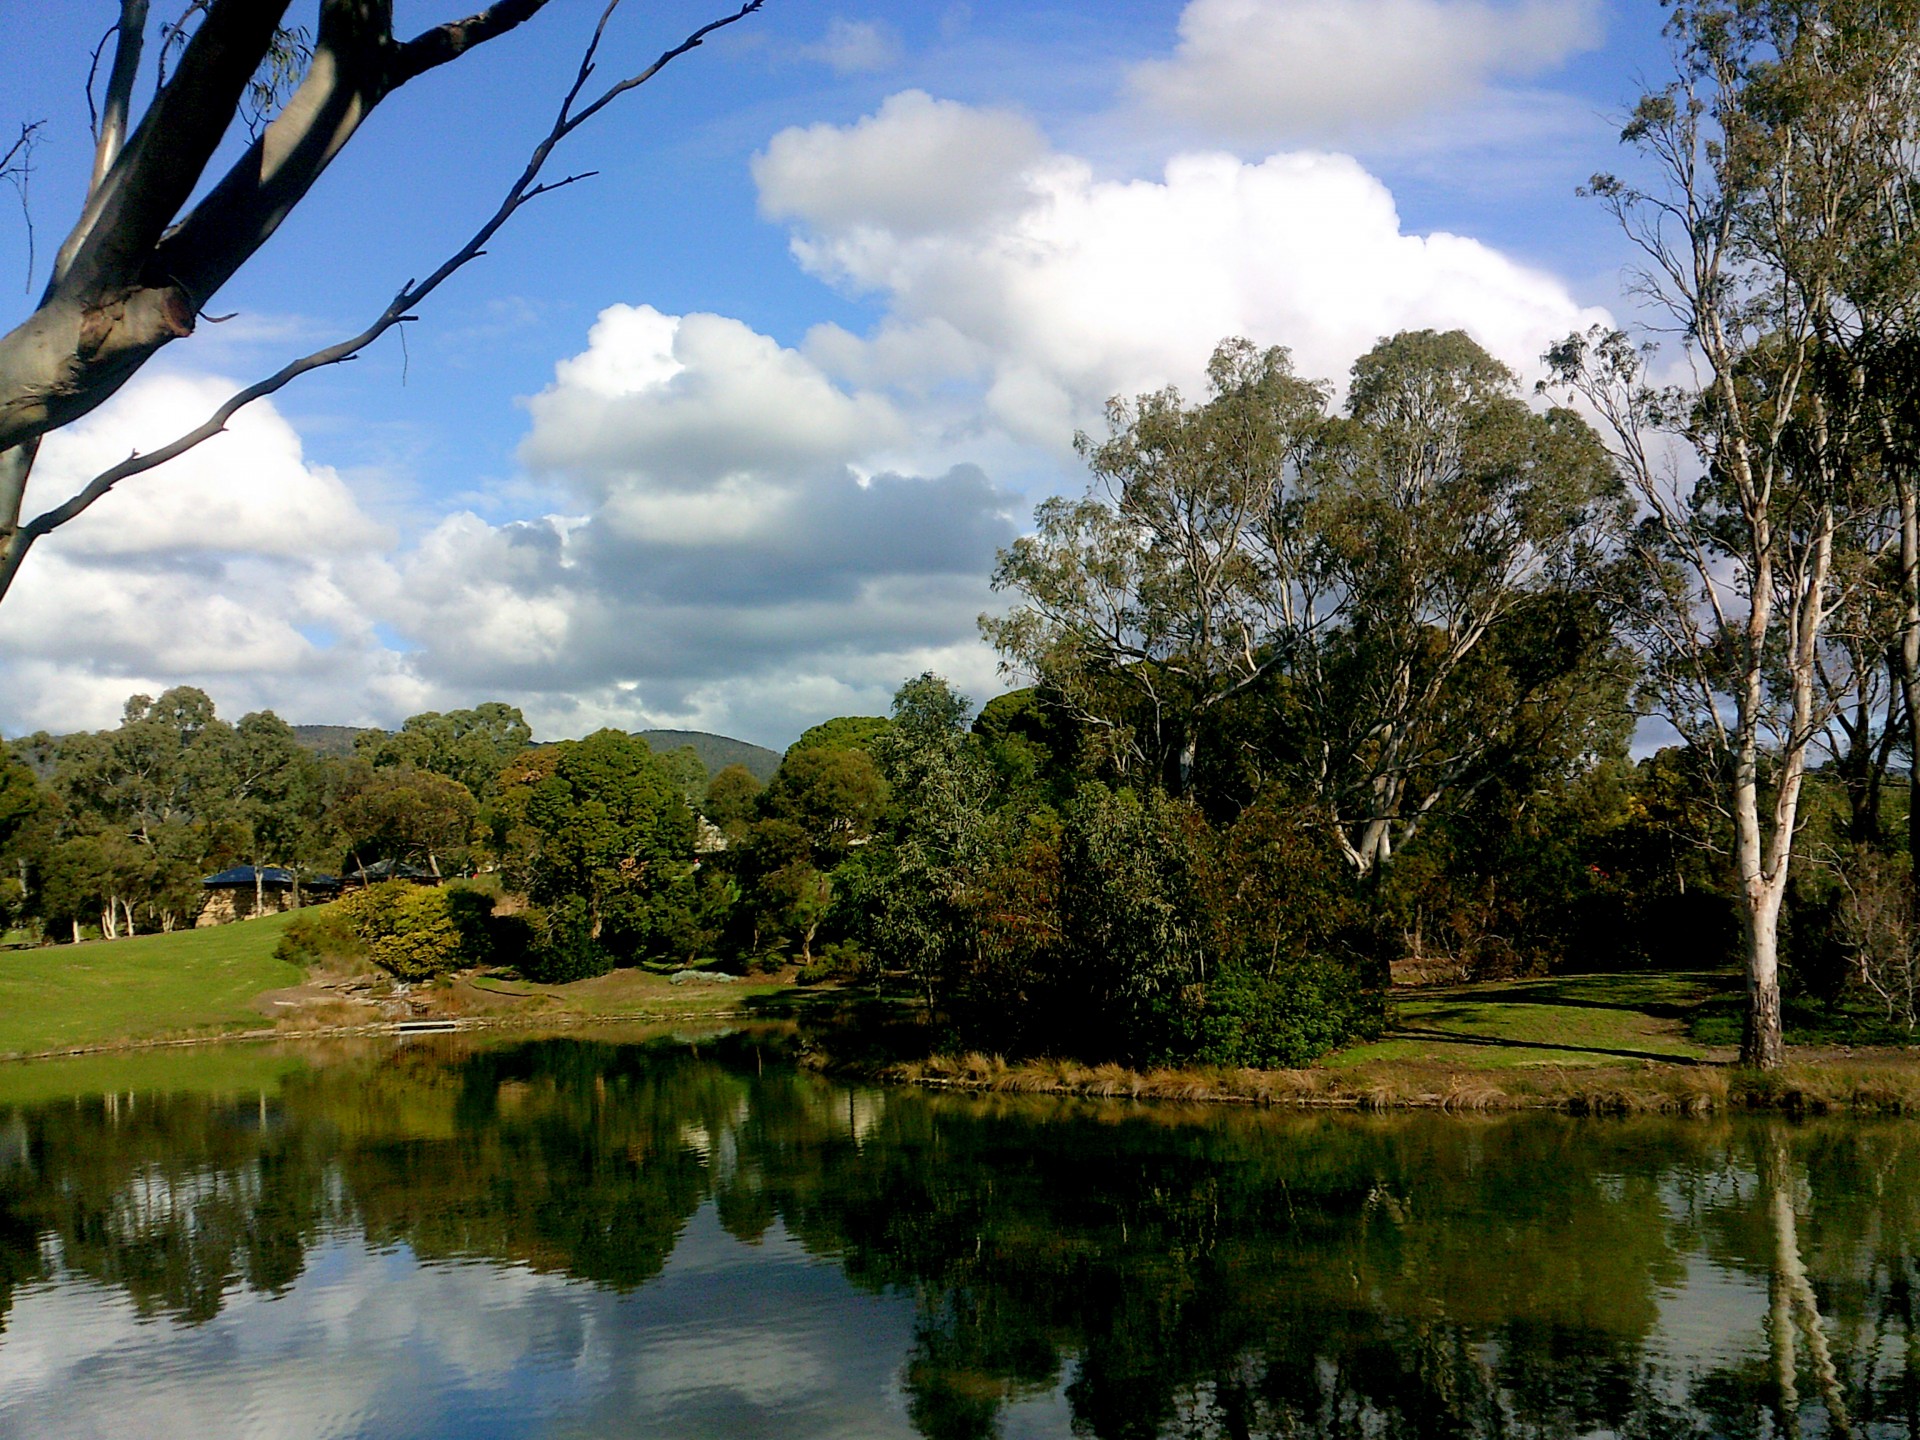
column 416, row 932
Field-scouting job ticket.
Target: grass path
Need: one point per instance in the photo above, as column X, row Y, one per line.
column 1563, row 1020
column 59, row 997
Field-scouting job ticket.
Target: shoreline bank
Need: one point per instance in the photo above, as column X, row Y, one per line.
column 1877, row 1084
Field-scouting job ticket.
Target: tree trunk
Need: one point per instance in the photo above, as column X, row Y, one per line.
column 1762, row 1042
column 1909, row 651
column 1762, row 887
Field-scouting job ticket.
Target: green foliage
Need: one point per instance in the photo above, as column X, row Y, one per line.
column 416, row 932
column 842, row 961
column 1032, row 741
column 598, row 832
column 172, row 792
column 321, row 935
column 468, row 747
column 1133, row 934
column 75, row 877
column 563, row 947
column 914, row 889
column 1284, row 1018
column 688, row 773
column 780, row 886
column 21, row 800
column 732, row 797
column 834, row 796
column 844, row 732
column 414, row 816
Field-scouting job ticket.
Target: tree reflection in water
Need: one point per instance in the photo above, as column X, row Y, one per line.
column 1168, row 1273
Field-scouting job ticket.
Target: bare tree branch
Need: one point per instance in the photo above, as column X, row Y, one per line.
column 450, row 41
column 130, row 280
column 16, row 168
column 527, row 187
column 151, row 178
column 110, row 134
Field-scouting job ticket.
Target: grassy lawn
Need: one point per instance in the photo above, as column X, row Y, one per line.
column 194, row 981
column 1564, row 1020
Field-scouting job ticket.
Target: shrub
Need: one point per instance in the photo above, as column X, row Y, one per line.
column 1282, row 1020
column 417, row 933
column 566, row 950
column 374, row 911
column 319, row 935
column 841, row 960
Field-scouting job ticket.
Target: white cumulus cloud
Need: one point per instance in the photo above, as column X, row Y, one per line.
column 686, row 400
column 1268, row 70
column 851, row 47
column 919, row 166
column 242, row 567
column 1084, row 287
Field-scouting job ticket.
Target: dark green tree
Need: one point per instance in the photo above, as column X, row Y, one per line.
column 412, row 816
column 913, row 889
column 609, row 846
column 733, row 797
column 469, row 746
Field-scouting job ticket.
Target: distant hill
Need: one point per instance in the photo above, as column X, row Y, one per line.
column 335, row 740
column 716, row 752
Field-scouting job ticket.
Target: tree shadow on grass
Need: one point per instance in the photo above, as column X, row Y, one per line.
column 1496, row 1042
column 1633, row 999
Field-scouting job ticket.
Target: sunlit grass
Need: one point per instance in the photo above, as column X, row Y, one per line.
column 63, row 997
column 1578, row 1020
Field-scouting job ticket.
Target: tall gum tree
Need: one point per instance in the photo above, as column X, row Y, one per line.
column 1758, row 201
column 1352, row 577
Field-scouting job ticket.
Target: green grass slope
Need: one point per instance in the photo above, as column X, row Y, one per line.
column 58, row 997
column 1563, row 1020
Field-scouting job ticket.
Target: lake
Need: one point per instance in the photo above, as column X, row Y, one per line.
column 694, row 1238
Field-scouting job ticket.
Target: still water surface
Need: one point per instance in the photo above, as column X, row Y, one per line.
column 565, row 1238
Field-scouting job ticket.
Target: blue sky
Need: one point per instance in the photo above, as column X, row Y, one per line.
column 726, row 436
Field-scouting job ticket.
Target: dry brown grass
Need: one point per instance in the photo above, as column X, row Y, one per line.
column 321, row 1015
column 1883, row 1085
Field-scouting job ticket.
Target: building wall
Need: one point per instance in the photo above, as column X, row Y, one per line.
column 225, row 904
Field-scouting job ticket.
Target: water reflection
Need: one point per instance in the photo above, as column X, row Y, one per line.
column 562, row 1237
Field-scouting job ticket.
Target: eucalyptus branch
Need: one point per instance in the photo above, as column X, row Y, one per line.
column 525, row 189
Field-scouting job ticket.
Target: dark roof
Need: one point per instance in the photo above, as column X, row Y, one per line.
column 271, row 876
column 388, row 870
